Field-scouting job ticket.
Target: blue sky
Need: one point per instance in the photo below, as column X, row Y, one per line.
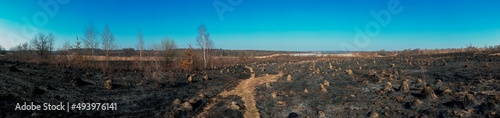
column 299, row 25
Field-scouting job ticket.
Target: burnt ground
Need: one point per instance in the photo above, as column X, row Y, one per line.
column 464, row 84
column 136, row 95
column 445, row 85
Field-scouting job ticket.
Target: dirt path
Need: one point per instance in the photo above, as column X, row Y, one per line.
column 245, row 90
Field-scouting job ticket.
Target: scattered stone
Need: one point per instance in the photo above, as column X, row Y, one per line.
column 447, row 91
column 192, row 101
column 108, row 84
column 205, row 77
column 274, row 94
column 281, row 103
column 190, row 79
column 176, row 102
column 372, row 72
column 326, row 83
column 306, row 91
column 187, row 106
column 388, row 87
column 349, row 72
column 235, row 106
column 373, row 114
column 420, row 81
column 428, row 92
column 321, row 114
column 469, row 100
column 289, row 78
column 405, row 88
column 417, row 102
column 323, row 89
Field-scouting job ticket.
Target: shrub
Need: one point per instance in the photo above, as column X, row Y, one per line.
column 169, row 52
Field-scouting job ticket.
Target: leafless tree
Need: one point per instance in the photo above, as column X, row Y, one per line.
column 203, row 40
column 140, row 44
column 43, row 44
column 108, row 40
column 90, row 41
column 169, row 51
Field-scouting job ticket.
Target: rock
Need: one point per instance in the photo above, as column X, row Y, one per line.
column 306, row 91
column 388, row 87
column 373, row 114
column 205, row 77
column 274, row 94
column 323, row 89
column 420, row 81
column 108, row 84
column 281, row 103
column 326, row 83
column 289, row 78
column 187, row 106
column 428, row 92
column 469, row 101
column 447, row 91
column 321, row 114
column 417, row 102
column 176, row 102
column 235, row 106
column 405, row 87
column 372, row 72
column 190, row 79
column 349, row 72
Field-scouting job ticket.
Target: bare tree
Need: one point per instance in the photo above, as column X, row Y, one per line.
column 90, row 41
column 203, row 40
column 43, row 44
column 169, row 51
column 140, row 44
column 108, row 40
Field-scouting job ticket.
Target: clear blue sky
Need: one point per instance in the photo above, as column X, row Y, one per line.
column 301, row 25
